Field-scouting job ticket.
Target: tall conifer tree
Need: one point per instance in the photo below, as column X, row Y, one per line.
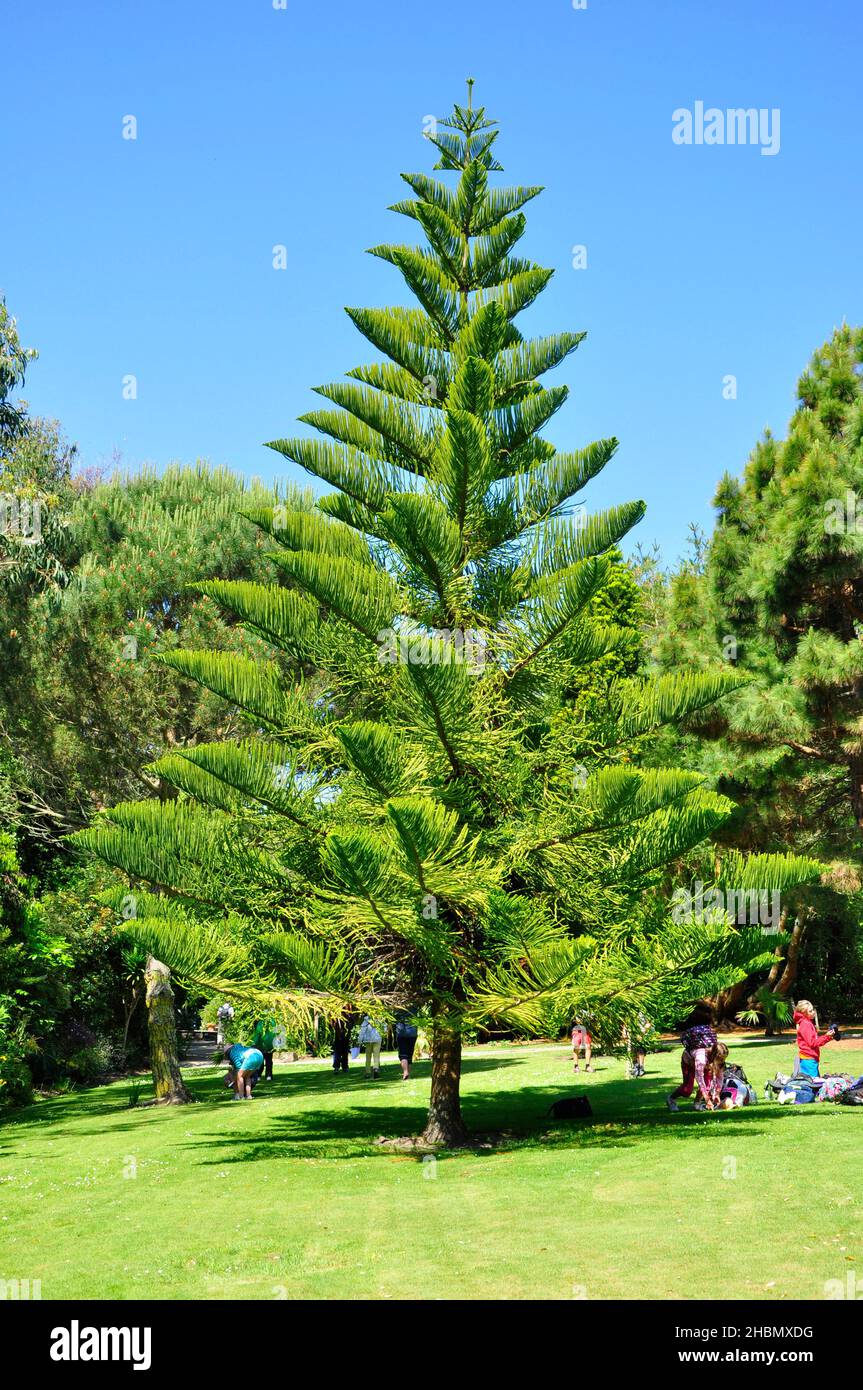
column 421, row 823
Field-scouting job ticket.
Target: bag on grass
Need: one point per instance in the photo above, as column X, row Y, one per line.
column 854, row 1093
column 832, row 1087
column 784, row 1086
column 777, row 1084
column 571, row 1108
column 732, row 1069
column 736, row 1091
column 796, row 1095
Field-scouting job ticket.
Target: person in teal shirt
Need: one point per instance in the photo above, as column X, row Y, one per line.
column 244, row 1068
column 263, row 1037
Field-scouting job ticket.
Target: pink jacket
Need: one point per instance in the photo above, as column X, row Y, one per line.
column 809, row 1040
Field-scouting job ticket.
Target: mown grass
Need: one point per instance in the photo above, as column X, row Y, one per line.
column 289, row 1197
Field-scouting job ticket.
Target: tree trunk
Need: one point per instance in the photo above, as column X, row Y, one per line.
column 128, row 1011
column 792, row 953
column 855, row 773
column 167, row 1082
column 784, row 972
column 445, row 1125
column 727, row 1003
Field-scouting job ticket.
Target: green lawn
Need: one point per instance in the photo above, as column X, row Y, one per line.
column 288, row 1197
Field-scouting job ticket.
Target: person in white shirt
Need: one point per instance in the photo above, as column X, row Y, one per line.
column 224, row 1014
column 370, row 1039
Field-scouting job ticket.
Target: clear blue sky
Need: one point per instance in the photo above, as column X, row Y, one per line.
column 259, row 126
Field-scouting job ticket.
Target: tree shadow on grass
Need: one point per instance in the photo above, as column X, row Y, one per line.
column 625, row 1113
column 105, row 1104
column 517, row 1119
column 96, row 1100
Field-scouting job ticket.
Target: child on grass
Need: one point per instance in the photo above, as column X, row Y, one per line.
column 699, row 1049
column 809, row 1040
column 714, row 1076
column 635, row 1038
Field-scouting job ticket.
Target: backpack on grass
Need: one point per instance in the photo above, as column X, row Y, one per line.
column 736, row 1090
column 571, row 1108
column 854, row 1093
column 796, row 1093
column 833, row 1087
column 784, row 1085
column 733, row 1069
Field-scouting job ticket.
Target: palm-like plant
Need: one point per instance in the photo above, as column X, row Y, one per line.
column 419, row 822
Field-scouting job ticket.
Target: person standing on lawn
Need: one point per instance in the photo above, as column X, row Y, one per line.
column 263, row 1037
column 809, row 1040
column 581, row 1039
column 224, row 1014
column 635, row 1042
column 370, row 1039
column 341, row 1043
column 406, row 1041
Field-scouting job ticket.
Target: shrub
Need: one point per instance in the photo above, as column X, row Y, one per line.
column 15, row 1082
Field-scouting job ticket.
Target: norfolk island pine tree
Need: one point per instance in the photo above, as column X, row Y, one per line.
column 419, row 822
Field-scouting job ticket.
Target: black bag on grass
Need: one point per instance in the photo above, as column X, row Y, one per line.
column 571, row 1108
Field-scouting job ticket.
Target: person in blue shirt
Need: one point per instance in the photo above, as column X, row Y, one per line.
column 244, row 1069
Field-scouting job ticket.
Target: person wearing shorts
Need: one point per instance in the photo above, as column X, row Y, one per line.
column 581, row 1039
column 406, row 1041
column 244, row 1069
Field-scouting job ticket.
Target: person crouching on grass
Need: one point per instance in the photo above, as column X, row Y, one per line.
column 699, row 1051
column 714, row 1076
column 244, row 1069
column 809, row 1040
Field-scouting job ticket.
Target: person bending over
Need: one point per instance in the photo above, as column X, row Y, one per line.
column 699, row 1049
column 244, row 1069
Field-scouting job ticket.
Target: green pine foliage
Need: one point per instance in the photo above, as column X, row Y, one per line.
column 420, row 828
column 84, row 705
column 780, row 599
column 777, row 597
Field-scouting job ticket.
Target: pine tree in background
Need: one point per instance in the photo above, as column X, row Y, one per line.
column 780, row 599
column 83, row 706
column 430, row 826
